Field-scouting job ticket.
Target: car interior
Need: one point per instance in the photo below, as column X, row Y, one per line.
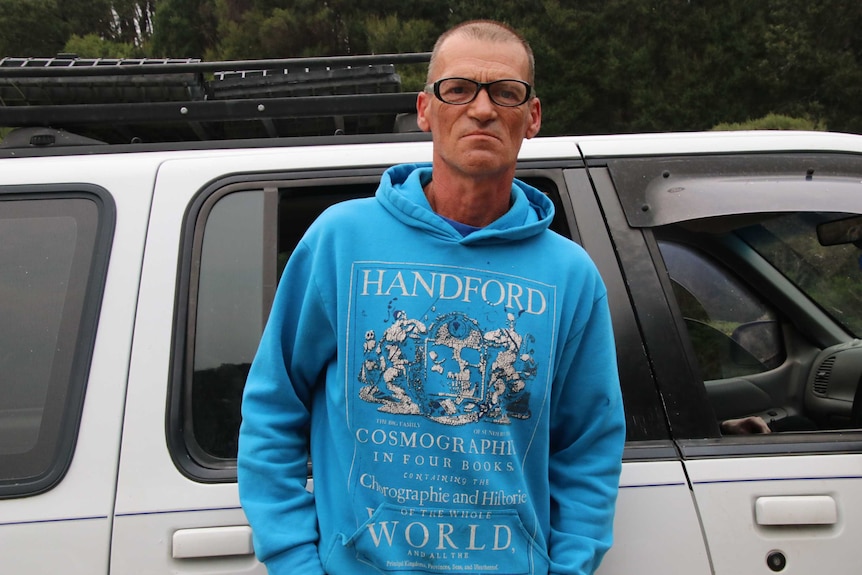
column 773, row 307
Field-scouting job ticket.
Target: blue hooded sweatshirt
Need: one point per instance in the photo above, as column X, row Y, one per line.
column 458, row 396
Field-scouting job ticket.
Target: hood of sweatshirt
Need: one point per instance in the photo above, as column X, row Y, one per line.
column 401, row 193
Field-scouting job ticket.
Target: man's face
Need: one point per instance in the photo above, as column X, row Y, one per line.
column 479, row 139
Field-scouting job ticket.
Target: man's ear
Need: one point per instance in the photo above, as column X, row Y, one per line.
column 423, row 103
column 535, row 118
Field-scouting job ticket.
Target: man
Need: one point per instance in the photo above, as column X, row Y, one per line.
column 449, row 360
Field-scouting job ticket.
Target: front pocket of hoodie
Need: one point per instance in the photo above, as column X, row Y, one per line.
column 404, row 539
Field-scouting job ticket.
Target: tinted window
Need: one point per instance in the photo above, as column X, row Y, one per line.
column 50, row 274
column 830, row 274
column 763, row 298
column 243, row 240
column 229, row 316
column 733, row 332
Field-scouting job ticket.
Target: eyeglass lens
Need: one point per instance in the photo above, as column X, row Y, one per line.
column 463, row 91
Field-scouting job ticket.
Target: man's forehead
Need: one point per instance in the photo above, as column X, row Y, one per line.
column 460, row 55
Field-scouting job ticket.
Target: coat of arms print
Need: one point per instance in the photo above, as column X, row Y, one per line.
column 447, row 344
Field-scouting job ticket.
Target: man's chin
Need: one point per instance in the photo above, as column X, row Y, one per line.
column 482, row 147
column 481, row 160
column 484, row 167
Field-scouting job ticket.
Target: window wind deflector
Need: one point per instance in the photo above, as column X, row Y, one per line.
column 660, row 191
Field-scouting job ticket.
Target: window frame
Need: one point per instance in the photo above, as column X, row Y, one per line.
column 647, row 433
column 189, row 459
column 656, row 191
column 78, row 327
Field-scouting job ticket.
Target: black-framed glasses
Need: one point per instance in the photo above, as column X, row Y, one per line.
column 460, row 91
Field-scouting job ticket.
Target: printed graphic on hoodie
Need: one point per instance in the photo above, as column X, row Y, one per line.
column 445, row 394
column 453, row 371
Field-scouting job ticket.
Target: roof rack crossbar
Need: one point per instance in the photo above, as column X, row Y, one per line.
column 12, row 68
column 210, row 110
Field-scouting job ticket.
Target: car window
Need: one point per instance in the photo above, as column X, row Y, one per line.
column 51, row 267
column 229, row 319
column 763, row 302
column 243, row 240
column 831, row 275
column 733, row 331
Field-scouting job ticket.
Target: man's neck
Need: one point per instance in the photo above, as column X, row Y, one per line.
column 469, row 201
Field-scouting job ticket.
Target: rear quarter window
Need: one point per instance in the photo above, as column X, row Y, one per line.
column 53, row 255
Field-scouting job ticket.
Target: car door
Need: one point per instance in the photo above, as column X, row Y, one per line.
column 71, row 237
column 168, row 520
column 757, row 332
column 656, row 528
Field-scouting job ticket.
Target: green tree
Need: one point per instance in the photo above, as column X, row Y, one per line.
column 30, row 28
column 41, row 28
column 390, row 35
column 269, row 29
column 132, row 21
column 184, row 28
column 602, row 65
column 83, row 17
column 773, row 122
column 636, row 65
column 94, row 46
column 813, row 59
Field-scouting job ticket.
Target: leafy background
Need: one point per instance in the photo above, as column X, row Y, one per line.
column 603, row 66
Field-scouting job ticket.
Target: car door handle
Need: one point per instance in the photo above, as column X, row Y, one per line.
column 212, row 542
column 796, row 510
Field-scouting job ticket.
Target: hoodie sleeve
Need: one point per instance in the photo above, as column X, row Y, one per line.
column 297, row 343
column 587, row 439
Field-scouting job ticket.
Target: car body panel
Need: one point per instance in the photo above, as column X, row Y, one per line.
column 729, row 490
column 655, row 498
column 76, row 516
column 129, row 504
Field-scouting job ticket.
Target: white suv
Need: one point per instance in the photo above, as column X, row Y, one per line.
column 136, row 279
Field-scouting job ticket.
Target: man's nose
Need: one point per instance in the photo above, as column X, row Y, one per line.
column 482, row 107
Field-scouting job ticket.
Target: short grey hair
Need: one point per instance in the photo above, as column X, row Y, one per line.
column 488, row 30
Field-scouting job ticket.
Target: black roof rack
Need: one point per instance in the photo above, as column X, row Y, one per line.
column 176, row 100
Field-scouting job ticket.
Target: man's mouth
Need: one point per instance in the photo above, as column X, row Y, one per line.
column 480, row 134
